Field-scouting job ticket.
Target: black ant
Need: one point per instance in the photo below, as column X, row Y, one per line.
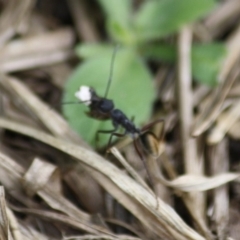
column 103, row 109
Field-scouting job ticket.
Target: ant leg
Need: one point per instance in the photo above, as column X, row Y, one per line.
column 144, row 162
column 149, row 125
column 149, row 140
column 114, row 134
column 105, row 132
column 151, row 182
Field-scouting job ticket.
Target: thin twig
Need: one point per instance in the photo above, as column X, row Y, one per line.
column 193, row 165
column 219, row 164
column 84, row 25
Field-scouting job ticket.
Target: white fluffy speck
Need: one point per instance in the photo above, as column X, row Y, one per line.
column 84, row 95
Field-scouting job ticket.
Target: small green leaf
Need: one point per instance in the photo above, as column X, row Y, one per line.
column 131, row 90
column 89, row 50
column 207, row 61
column 118, row 21
column 160, row 18
column 118, row 11
column 120, row 33
column 164, row 52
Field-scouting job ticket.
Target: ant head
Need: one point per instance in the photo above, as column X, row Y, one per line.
column 89, row 97
column 84, row 94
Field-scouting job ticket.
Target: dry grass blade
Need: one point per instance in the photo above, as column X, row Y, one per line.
column 213, row 109
column 224, row 123
column 125, row 226
column 162, row 220
column 192, row 183
column 219, row 164
column 58, row 127
column 232, row 58
column 49, row 117
column 11, row 177
column 100, row 237
column 30, row 233
column 59, row 39
column 12, row 17
column 126, row 165
column 229, row 74
column 36, row 60
column 222, row 17
column 193, row 164
column 185, row 102
column 83, row 23
column 56, row 185
column 14, row 226
column 30, row 52
column 75, row 218
column 56, row 217
column 4, row 222
column 234, row 130
column 40, row 174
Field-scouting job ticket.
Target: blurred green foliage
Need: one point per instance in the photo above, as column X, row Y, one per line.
column 140, row 34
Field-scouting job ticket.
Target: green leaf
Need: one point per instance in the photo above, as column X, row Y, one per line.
column 120, row 33
column 164, row 52
column 118, row 11
column 118, row 22
column 89, row 50
column 160, row 18
column 131, row 90
column 207, row 60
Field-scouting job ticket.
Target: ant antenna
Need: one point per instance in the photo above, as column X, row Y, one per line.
column 111, row 70
column 71, row 102
column 74, row 102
